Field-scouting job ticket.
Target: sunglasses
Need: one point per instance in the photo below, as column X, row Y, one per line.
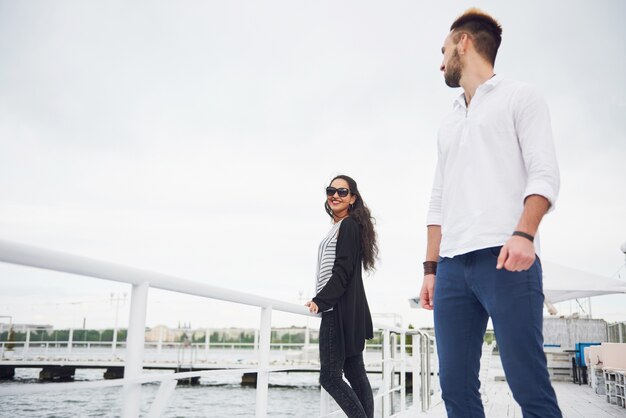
column 342, row 191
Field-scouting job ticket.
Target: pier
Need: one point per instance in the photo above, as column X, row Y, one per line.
column 420, row 362
column 406, row 360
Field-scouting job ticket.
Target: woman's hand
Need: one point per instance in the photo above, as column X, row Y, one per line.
column 312, row 306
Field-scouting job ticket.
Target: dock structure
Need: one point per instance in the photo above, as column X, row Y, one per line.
column 396, row 357
column 64, row 370
column 575, row 401
column 406, row 353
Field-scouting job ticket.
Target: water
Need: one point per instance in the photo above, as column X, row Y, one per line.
column 219, row 395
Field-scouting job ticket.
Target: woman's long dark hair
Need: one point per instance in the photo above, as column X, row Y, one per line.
column 361, row 214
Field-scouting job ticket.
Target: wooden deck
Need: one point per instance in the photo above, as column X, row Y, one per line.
column 575, row 401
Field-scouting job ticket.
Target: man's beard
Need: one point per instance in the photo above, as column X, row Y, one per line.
column 452, row 75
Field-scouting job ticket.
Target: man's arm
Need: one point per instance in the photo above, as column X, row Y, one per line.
column 518, row 253
column 427, row 294
column 532, row 120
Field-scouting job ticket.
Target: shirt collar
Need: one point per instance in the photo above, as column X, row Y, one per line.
column 485, row 87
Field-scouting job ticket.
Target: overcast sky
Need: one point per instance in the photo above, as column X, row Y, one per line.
column 195, row 139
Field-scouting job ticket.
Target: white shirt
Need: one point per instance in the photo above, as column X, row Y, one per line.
column 491, row 156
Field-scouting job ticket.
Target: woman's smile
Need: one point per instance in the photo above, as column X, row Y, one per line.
column 338, row 204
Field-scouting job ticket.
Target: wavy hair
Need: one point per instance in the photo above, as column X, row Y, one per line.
column 361, row 214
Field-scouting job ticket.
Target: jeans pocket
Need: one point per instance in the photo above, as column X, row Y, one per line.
column 538, row 272
column 495, row 251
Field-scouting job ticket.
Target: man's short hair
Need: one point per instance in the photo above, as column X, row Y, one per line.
column 484, row 30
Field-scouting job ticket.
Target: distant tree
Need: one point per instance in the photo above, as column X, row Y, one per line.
column 107, row 335
column 11, row 337
column 60, row 335
column 79, row 335
column 16, row 336
column 246, row 337
column 93, row 335
column 298, row 338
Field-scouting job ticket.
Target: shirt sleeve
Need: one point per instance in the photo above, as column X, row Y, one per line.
column 434, row 216
column 534, row 132
column 346, row 258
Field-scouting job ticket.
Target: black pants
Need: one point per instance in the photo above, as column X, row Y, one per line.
column 356, row 399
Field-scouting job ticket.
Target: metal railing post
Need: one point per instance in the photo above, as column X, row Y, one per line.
column 114, row 341
column 386, row 369
column 428, row 370
column 403, row 372
column 264, row 361
column 425, row 370
column 307, row 342
column 160, row 343
column 135, row 340
column 256, row 341
column 207, row 342
column 415, row 353
column 26, row 344
column 393, row 339
column 70, row 341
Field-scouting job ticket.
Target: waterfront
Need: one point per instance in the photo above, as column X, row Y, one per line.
column 220, row 395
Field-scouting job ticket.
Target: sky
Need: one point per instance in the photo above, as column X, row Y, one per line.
column 196, row 138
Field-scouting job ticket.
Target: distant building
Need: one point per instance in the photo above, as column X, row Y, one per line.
column 566, row 332
column 163, row 333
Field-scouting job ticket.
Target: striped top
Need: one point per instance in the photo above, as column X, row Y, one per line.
column 326, row 258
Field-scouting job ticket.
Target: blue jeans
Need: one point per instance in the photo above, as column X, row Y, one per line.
column 469, row 290
column 356, row 399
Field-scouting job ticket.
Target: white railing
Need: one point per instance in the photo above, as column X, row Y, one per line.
column 28, row 347
column 142, row 280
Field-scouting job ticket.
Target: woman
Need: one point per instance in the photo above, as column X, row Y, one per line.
column 346, row 319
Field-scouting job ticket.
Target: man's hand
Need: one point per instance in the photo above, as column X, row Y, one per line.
column 427, row 294
column 518, row 254
column 312, row 306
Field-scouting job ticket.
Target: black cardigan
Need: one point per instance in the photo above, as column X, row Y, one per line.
column 345, row 293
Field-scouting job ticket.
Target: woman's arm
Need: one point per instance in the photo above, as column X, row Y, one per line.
column 348, row 246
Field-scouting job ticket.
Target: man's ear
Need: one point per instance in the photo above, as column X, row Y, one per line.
column 463, row 43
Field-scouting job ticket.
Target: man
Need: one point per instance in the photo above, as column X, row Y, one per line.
column 496, row 177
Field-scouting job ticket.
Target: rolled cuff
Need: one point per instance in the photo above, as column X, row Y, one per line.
column 434, row 218
column 544, row 189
